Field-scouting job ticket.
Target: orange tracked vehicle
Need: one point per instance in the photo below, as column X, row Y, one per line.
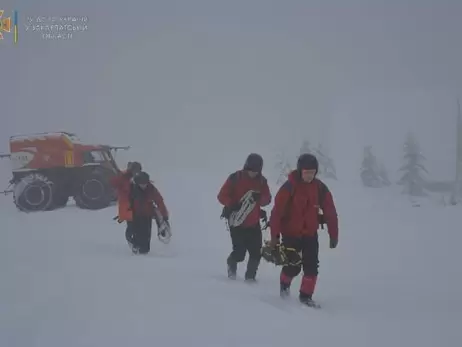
column 48, row 168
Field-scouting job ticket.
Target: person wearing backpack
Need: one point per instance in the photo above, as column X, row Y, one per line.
column 242, row 196
column 296, row 217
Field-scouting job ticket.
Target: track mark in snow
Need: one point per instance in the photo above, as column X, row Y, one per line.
column 277, row 302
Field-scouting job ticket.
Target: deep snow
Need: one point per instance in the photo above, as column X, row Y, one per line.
column 69, row 279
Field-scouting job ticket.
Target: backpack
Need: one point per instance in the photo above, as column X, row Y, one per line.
column 322, row 191
column 234, row 178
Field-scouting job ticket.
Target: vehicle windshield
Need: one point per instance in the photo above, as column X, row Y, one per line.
column 97, row 157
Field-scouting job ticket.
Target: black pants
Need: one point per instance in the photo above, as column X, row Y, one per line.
column 309, row 246
column 138, row 234
column 129, row 233
column 246, row 239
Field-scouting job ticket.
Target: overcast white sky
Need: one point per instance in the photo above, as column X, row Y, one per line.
column 203, row 83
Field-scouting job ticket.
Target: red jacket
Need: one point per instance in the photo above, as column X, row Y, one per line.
column 295, row 210
column 123, row 184
column 235, row 188
column 141, row 201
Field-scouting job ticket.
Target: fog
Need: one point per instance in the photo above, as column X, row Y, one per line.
column 197, row 85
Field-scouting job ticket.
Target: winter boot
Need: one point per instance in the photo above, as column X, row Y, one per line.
column 135, row 250
column 307, row 300
column 252, row 267
column 232, row 268
column 306, row 291
column 129, row 234
column 251, row 280
column 284, row 288
column 130, row 242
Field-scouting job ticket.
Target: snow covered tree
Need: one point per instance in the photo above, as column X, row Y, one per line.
column 326, row 164
column 370, row 169
column 306, row 148
column 413, row 168
column 373, row 174
column 284, row 167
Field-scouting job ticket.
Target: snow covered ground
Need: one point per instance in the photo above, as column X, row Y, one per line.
column 68, row 278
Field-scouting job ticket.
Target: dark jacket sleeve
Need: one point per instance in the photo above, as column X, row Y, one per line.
column 330, row 213
column 265, row 198
column 224, row 195
column 159, row 201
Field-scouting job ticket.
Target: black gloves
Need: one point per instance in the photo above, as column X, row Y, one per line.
column 256, row 196
column 333, row 243
column 263, row 214
column 162, row 228
column 236, row 207
column 227, row 210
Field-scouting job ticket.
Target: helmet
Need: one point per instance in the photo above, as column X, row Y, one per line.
column 254, row 162
column 134, row 166
column 307, row 162
column 141, row 178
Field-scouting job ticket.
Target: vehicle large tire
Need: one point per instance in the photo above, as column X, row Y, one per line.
column 33, row 193
column 93, row 192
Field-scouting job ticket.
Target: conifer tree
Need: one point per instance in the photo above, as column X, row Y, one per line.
column 413, row 168
column 283, row 167
column 326, row 164
column 370, row 169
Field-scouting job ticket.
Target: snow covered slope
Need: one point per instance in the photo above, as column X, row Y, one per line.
column 68, row 279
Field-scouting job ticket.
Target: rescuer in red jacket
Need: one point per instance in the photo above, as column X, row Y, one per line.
column 295, row 216
column 247, row 187
column 122, row 183
column 142, row 197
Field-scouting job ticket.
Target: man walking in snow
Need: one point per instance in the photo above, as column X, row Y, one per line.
column 121, row 183
column 143, row 199
column 296, row 217
column 242, row 195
